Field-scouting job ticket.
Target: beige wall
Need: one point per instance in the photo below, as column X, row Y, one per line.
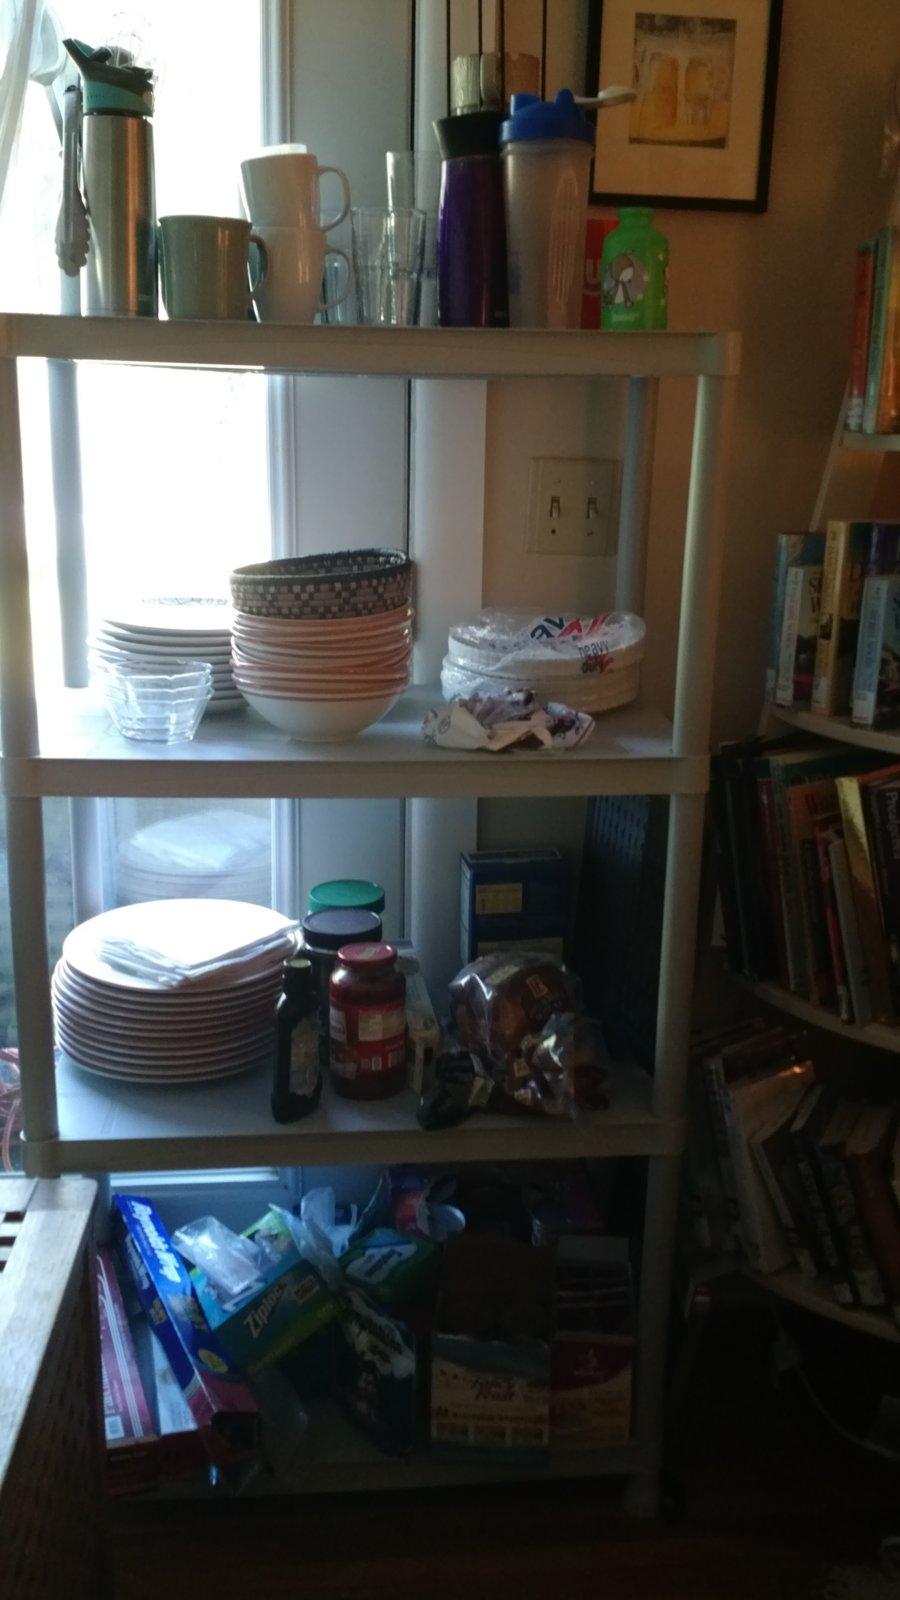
column 783, row 279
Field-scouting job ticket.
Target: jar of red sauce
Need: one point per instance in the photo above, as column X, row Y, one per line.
column 367, row 1022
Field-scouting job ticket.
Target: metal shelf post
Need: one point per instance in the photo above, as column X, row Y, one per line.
column 24, row 819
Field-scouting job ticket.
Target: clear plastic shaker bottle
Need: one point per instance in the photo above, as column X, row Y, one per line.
column 547, row 149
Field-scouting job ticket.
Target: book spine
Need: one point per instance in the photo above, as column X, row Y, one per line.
column 790, row 632
column 821, row 974
column 841, row 987
column 883, row 807
column 841, row 1206
column 771, row 865
column 854, row 956
column 761, row 1234
column 878, row 1215
column 825, row 1240
column 828, row 642
column 714, row 1079
column 781, row 1201
column 868, row 654
column 877, row 328
column 792, row 911
column 726, row 868
column 865, row 895
column 789, row 545
column 859, row 351
column 888, row 412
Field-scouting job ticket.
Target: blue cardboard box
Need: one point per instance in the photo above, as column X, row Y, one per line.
column 513, row 898
column 219, row 1401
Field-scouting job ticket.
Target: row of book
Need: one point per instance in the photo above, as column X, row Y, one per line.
column 785, row 1172
column 834, row 641
column 808, row 851
column 873, row 389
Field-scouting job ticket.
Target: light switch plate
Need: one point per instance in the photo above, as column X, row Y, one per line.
column 572, row 506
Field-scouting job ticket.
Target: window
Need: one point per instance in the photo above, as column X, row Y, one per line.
column 175, row 464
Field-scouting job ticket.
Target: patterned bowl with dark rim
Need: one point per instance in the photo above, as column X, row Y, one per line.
column 347, row 583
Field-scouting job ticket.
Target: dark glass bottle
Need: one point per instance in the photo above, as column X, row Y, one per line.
column 298, row 1077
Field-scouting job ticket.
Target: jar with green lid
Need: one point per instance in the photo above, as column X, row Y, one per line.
column 347, row 894
column 634, row 273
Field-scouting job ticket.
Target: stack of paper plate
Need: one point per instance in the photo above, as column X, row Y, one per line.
column 213, row 853
column 169, row 630
column 136, row 1025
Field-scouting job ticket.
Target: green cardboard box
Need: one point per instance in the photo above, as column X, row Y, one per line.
column 292, row 1304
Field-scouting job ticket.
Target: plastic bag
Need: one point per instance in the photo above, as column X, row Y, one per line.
column 560, row 1071
column 498, row 999
column 497, row 721
column 231, row 1262
column 318, row 1235
column 517, row 644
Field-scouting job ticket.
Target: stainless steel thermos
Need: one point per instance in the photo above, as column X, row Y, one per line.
column 117, row 183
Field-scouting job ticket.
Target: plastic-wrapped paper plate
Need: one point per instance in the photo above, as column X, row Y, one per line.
column 520, row 645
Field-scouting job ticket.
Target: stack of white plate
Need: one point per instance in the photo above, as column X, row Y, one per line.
column 118, row 1024
column 172, row 629
column 214, row 854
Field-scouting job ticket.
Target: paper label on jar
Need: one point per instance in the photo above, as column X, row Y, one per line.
column 374, row 1024
column 337, row 1025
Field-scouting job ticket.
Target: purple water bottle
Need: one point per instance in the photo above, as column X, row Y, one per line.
column 471, row 232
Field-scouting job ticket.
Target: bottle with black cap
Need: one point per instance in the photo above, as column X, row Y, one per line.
column 298, row 1075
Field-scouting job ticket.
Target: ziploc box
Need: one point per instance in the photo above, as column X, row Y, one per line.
column 513, row 899
column 219, row 1401
column 490, row 1363
column 291, row 1305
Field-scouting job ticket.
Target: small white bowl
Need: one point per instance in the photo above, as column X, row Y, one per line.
column 320, row 720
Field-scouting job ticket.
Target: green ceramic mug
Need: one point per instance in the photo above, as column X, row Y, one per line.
column 205, row 266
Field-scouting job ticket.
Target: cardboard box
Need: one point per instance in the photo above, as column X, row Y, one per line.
column 261, row 1327
column 132, row 1455
column 375, row 1373
column 513, row 899
column 490, row 1367
column 220, row 1403
column 593, row 1343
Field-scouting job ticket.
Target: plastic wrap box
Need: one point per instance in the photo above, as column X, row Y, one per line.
column 490, row 1395
column 219, row 1401
column 515, row 899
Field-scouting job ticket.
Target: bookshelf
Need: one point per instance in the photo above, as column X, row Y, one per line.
column 791, row 1285
column 880, row 1035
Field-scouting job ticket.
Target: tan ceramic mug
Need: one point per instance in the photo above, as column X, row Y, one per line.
column 205, row 266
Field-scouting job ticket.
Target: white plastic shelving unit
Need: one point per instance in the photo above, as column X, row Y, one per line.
column 73, row 1122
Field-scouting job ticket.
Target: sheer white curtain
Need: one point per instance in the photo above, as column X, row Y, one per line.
column 30, row 48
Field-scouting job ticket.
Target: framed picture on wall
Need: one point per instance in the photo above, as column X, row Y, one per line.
column 699, row 132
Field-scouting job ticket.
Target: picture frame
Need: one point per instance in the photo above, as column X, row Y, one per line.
column 700, row 133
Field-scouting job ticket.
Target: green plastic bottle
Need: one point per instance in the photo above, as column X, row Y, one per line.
column 634, row 272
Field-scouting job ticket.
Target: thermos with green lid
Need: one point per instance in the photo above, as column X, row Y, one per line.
column 634, row 271
column 347, row 894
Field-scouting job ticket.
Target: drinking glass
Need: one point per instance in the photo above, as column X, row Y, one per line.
column 388, row 253
column 414, row 181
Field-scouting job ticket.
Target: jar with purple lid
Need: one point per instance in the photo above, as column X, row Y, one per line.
column 324, row 932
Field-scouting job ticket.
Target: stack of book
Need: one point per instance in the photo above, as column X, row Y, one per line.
column 785, row 1172
column 808, row 845
column 834, row 641
column 873, row 389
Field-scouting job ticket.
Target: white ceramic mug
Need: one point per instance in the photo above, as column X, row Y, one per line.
column 281, row 186
column 292, row 288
